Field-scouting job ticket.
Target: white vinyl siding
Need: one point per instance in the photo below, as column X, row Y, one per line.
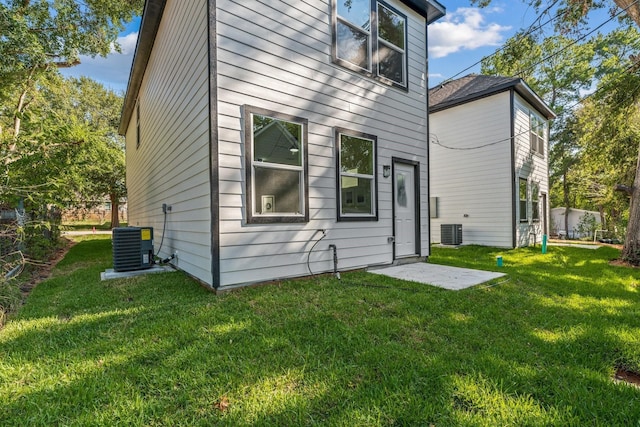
column 473, row 185
column 172, row 163
column 480, row 188
column 530, row 165
column 279, row 59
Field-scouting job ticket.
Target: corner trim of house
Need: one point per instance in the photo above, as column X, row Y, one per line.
column 213, row 143
column 512, row 113
column 428, row 142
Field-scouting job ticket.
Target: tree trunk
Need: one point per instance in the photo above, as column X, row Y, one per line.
column 631, row 8
column 631, row 249
column 115, row 207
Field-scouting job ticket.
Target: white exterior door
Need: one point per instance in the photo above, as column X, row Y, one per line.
column 404, row 196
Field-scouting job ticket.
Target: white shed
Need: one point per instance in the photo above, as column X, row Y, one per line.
column 578, row 222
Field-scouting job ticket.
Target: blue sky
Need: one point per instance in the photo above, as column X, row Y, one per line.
column 460, row 39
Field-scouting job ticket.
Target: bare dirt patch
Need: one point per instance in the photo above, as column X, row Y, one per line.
column 621, row 263
column 627, row 376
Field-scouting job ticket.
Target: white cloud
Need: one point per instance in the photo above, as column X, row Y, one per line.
column 112, row 71
column 464, row 29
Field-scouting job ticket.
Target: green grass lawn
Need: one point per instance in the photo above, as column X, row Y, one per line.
column 536, row 348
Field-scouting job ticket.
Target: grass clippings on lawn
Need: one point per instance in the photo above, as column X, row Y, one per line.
column 539, row 349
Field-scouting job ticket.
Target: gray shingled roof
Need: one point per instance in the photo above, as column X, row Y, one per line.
column 474, row 86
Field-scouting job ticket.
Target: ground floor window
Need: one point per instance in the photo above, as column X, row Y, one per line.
column 276, row 167
column 522, row 190
column 356, row 155
column 535, row 201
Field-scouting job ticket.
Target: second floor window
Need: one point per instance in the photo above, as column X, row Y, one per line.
column 538, row 130
column 370, row 37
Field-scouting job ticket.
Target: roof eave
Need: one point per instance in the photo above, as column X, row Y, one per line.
column 471, row 97
column 532, row 98
column 431, row 10
column 151, row 17
column 519, row 85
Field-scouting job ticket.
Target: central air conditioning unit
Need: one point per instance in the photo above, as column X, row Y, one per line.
column 132, row 248
column 451, row 234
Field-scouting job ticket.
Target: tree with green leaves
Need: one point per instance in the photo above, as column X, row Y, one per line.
column 592, row 140
column 71, row 151
column 39, row 36
column 572, row 13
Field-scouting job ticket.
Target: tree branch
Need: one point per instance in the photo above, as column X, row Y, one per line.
column 624, row 188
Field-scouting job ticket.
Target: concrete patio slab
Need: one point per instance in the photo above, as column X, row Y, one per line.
column 453, row 278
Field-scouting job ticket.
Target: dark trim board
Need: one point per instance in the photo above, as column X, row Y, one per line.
column 214, row 171
column 515, row 194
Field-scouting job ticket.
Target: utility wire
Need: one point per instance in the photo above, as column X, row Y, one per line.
column 433, row 138
column 530, row 30
column 607, row 86
column 573, row 42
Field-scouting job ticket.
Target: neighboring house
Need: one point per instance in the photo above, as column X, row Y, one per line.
column 268, row 126
column 489, row 161
column 581, row 223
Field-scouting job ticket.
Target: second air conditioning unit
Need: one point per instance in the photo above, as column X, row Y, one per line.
column 451, row 234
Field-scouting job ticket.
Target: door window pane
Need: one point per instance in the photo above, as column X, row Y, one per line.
column 401, row 190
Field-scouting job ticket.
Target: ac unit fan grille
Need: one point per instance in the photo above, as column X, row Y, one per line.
column 451, row 234
column 132, row 248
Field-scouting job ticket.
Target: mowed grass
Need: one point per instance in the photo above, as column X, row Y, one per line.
column 536, row 348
